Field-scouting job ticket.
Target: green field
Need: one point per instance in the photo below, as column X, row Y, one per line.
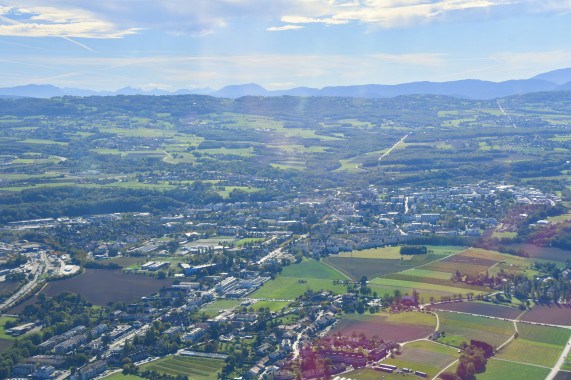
column 288, row 288
column 120, row 376
column 215, row 307
column 422, row 285
column 530, row 352
column 295, row 279
column 312, row 269
column 499, row 369
column 194, row 368
column 427, row 274
column 492, row 331
column 271, row 305
column 544, row 334
column 3, row 334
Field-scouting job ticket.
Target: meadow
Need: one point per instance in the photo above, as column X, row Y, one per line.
column 467, row 327
column 194, row 368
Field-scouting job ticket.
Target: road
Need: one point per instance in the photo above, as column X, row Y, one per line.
column 504, row 112
column 391, row 148
column 41, row 266
column 560, row 361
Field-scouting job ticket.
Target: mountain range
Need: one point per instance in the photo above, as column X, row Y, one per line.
column 557, row 80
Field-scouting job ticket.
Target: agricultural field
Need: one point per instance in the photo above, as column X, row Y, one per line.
column 400, row 328
column 421, row 285
column 563, row 375
column 101, row 286
column 481, row 308
column 462, row 327
column 559, row 314
column 528, row 352
column 357, row 267
column 424, row 354
column 194, row 368
column 544, row 334
column 312, row 269
column 501, row 369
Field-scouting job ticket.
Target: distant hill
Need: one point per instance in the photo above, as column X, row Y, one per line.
column 560, row 76
column 557, row 80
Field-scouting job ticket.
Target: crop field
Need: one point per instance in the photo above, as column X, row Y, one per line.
column 355, row 267
column 405, row 276
column 563, row 375
column 480, row 308
column 427, row 274
column 546, row 253
column 530, row 352
column 549, row 313
column 312, row 269
column 374, row 253
column 194, row 368
column 452, row 267
column 492, row 331
column 544, row 334
column 430, row 370
column 471, row 260
column 420, row 285
column 397, row 327
column 425, row 295
column 101, row 286
column 428, row 353
column 500, row 369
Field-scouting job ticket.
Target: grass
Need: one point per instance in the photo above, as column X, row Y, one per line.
column 312, row 269
column 530, row 352
column 422, row 285
column 429, row 370
column 271, row 305
column 544, row 334
column 213, row 308
column 3, row 321
column 289, row 288
column 499, row 369
column 194, row 368
column 375, row 253
column 120, row 376
column 427, row 274
column 241, row 242
column 492, row 331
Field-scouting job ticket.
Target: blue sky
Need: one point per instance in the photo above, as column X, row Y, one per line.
column 279, row 44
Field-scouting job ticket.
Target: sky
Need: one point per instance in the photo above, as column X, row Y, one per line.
column 278, row 44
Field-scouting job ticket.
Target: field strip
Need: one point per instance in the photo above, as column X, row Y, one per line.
column 513, row 361
column 510, row 338
column 434, row 261
column 560, row 361
column 444, row 369
column 336, row 270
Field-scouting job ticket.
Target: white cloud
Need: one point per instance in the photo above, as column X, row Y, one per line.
column 118, row 18
column 285, row 27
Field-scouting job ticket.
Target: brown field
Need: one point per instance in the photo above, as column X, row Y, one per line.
column 480, row 308
column 435, row 281
column 451, row 267
column 546, row 253
column 563, row 375
column 7, row 287
column 5, row 345
column 549, row 313
column 386, row 331
column 472, row 260
column 483, row 254
column 357, row 267
column 101, row 286
column 418, row 355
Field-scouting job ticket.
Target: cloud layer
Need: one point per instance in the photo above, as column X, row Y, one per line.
column 118, row 18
